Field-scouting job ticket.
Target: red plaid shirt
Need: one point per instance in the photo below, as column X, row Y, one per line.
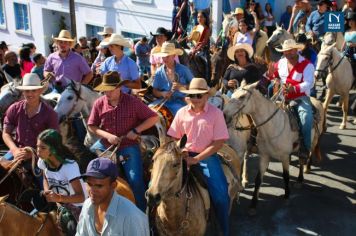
column 119, row 120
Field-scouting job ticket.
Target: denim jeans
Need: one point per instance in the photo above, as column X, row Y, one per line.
column 305, row 113
column 133, row 168
column 218, row 189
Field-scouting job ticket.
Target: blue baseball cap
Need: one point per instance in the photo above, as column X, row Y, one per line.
column 101, row 168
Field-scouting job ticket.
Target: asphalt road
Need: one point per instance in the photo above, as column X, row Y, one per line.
column 324, row 205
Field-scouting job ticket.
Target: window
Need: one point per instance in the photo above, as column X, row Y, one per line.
column 92, row 31
column 2, row 14
column 143, row 1
column 21, row 17
column 131, row 35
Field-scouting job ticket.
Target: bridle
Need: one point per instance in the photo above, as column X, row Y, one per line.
column 78, row 97
column 329, row 64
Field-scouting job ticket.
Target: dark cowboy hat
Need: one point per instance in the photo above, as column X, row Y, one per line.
column 163, row 31
column 111, row 80
column 351, row 16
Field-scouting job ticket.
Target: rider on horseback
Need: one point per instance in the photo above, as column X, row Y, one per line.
column 297, row 77
column 206, row 132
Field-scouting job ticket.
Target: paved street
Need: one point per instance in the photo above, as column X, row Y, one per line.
column 325, row 205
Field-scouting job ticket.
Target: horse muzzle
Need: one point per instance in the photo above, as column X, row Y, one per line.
column 153, row 199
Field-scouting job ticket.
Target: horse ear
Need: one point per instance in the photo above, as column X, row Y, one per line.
column 181, row 143
column 3, row 198
column 277, row 26
column 282, row 25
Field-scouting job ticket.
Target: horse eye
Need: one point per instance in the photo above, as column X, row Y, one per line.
column 70, row 98
column 242, row 97
column 175, row 165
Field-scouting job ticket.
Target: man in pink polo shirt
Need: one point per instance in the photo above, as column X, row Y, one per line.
column 118, row 114
column 206, row 132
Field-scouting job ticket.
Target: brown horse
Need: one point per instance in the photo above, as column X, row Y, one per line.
column 14, row 221
column 182, row 204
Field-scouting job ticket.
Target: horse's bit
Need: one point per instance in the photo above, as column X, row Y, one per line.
column 329, row 64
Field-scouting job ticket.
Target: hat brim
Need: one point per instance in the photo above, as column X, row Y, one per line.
column 231, row 51
column 107, row 87
column 297, row 46
column 176, row 51
column 64, row 39
column 194, row 91
column 24, row 87
column 97, row 175
column 122, row 43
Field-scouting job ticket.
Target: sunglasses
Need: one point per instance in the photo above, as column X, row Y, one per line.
column 198, row 96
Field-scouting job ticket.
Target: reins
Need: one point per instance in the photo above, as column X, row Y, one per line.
column 330, row 64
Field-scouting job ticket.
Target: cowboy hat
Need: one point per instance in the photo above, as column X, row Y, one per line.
column 106, row 30
column 163, row 31
column 245, row 46
column 117, row 39
column 290, row 44
column 64, row 35
column 111, row 80
column 196, row 33
column 197, row 86
column 238, row 10
column 30, row 81
column 168, row 49
column 103, row 44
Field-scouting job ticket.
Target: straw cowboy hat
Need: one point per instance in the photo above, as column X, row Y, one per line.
column 290, row 44
column 111, row 80
column 238, row 10
column 65, row 35
column 168, row 49
column 30, row 81
column 245, row 46
column 117, row 39
column 106, row 30
column 197, row 86
column 196, row 33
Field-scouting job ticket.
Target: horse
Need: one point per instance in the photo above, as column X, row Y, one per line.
column 275, row 137
column 182, row 204
column 77, row 99
column 219, row 64
column 14, row 221
column 278, row 36
column 339, row 78
column 9, row 95
column 333, row 37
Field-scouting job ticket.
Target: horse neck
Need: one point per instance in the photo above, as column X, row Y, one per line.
column 339, row 71
column 89, row 96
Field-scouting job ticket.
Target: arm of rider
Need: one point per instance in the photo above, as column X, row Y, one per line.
column 18, row 153
column 179, row 14
column 112, row 139
column 257, row 24
column 87, row 78
column 77, row 197
column 148, row 123
column 214, row 147
column 294, row 13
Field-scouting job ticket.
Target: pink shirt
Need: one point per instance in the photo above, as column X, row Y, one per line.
column 201, row 128
column 27, row 67
column 119, row 120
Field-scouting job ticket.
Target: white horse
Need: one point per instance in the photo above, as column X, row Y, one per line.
column 278, row 36
column 330, row 38
column 339, row 78
column 77, row 99
column 275, row 137
column 9, row 95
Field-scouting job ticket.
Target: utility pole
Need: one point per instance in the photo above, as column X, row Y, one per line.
column 73, row 24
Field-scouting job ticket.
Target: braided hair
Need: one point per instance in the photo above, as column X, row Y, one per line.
column 53, row 139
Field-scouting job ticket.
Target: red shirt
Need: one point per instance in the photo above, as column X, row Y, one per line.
column 28, row 129
column 119, row 120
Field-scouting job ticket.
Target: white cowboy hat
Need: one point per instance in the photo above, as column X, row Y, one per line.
column 30, row 81
column 197, row 86
column 245, row 46
column 117, row 39
column 238, row 10
column 168, row 49
column 290, row 44
column 103, row 44
column 64, row 35
column 106, row 30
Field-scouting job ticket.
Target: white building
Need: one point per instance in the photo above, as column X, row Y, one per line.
column 23, row 21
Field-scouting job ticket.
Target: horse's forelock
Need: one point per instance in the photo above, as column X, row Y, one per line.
column 169, row 148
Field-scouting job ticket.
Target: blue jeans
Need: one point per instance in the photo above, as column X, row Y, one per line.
column 133, row 168
column 218, row 189
column 305, row 113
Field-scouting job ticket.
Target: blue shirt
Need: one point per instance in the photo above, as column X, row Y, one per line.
column 38, row 70
column 201, row 4
column 162, row 83
column 126, row 67
column 285, row 19
column 315, row 23
column 141, row 51
column 297, row 18
column 122, row 218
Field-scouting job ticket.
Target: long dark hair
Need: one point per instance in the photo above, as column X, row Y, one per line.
column 24, row 54
column 207, row 22
column 270, row 8
column 248, row 59
column 53, row 139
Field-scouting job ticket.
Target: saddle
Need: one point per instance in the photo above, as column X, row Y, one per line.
column 294, row 118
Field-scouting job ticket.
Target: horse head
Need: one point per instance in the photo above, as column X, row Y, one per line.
column 325, row 60
column 239, row 102
column 167, row 171
column 70, row 101
column 9, row 95
column 278, row 36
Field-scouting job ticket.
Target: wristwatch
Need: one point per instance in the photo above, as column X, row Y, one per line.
column 135, row 131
